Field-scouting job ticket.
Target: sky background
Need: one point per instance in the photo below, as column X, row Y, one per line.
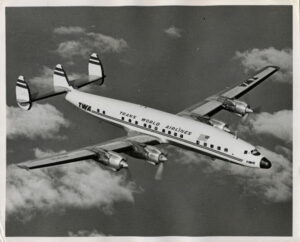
column 163, row 57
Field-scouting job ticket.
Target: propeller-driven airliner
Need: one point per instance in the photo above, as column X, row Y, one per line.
column 193, row 128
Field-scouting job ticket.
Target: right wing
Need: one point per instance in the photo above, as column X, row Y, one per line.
column 215, row 103
column 91, row 152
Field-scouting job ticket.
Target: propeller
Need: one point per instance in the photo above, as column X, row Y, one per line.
column 159, row 171
column 128, row 173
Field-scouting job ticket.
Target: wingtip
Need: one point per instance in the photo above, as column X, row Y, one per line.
column 275, row 67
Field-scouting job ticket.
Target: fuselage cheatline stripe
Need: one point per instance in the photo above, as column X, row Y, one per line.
column 164, row 134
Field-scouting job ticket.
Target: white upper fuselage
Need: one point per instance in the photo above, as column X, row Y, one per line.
column 168, row 127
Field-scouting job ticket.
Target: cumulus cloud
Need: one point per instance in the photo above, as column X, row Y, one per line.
column 86, row 42
column 69, row 30
column 77, row 185
column 173, row 32
column 258, row 58
column 278, row 124
column 86, row 233
column 43, row 121
column 274, row 184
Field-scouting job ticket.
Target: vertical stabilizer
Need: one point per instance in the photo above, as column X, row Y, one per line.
column 95, row 67
column 60, row 79
column 23, row 95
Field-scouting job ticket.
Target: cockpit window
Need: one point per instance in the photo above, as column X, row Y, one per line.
column 255, row 152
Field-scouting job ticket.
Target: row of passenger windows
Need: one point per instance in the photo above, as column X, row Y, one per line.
column 155, row 128
column 175, row 134
column 98, row 111
column 211, row 146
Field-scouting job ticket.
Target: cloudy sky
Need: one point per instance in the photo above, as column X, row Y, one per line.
column 166, row 58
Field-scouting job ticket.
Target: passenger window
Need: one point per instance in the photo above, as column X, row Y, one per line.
column 145, row 125
column 205, row 144
column 149, row 126
column 169, row 132
column 197, row 142
column 219, row 148
column 98, row 110
column 226, row 150
column 122, row 118
column 129, row 120
column 163, row 130
column 103, row 112
column 175, row 134
column 212, row 146
column 136, row 122
column 245, row 152
column 181, row 136
column 155, row 128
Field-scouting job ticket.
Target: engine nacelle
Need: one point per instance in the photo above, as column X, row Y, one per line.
column 238, row 107
column 148, row 152
column 111, row 159
column 219, row 124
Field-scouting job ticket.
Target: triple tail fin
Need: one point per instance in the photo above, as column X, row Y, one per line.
column 61, row 83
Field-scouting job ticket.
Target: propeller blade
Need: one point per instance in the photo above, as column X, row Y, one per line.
column 257, row 109
column 159, row 172
column 245, row 117
column 128, row 174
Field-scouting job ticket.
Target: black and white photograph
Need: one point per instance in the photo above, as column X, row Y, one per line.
column 149, row 121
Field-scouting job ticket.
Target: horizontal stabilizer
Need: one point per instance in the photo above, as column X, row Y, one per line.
column 25, row 97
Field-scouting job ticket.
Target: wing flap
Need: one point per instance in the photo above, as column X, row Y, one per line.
column 205, row 109
column 90, row 152
column 58, row 159
column 250, row 83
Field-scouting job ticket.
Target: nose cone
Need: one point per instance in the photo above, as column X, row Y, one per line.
column 249, row 110
column 265, row 163
column 162, row 157
column 123, row 164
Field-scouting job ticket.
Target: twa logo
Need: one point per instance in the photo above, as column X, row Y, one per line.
column 85, row 106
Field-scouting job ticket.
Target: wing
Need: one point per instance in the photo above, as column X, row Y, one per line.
column 91, row 152
column 219, row 101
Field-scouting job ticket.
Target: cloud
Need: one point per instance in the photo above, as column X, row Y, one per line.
column 69, row 30
column 173, row 32
column 77, row 185
column 43, row 82
column 273, row 184
column 86, row 42
column 42, row 121
column 86, row 233
column 258, row 58
column 278, row 124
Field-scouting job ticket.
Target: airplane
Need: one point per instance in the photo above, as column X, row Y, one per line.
column 193, row 128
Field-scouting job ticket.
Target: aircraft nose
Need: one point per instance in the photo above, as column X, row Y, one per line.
column 265, row 163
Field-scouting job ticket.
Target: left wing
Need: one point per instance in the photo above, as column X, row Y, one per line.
column 226, row 99
column 105, row 153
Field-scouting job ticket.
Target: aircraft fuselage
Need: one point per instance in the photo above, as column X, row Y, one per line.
column 169, row 128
